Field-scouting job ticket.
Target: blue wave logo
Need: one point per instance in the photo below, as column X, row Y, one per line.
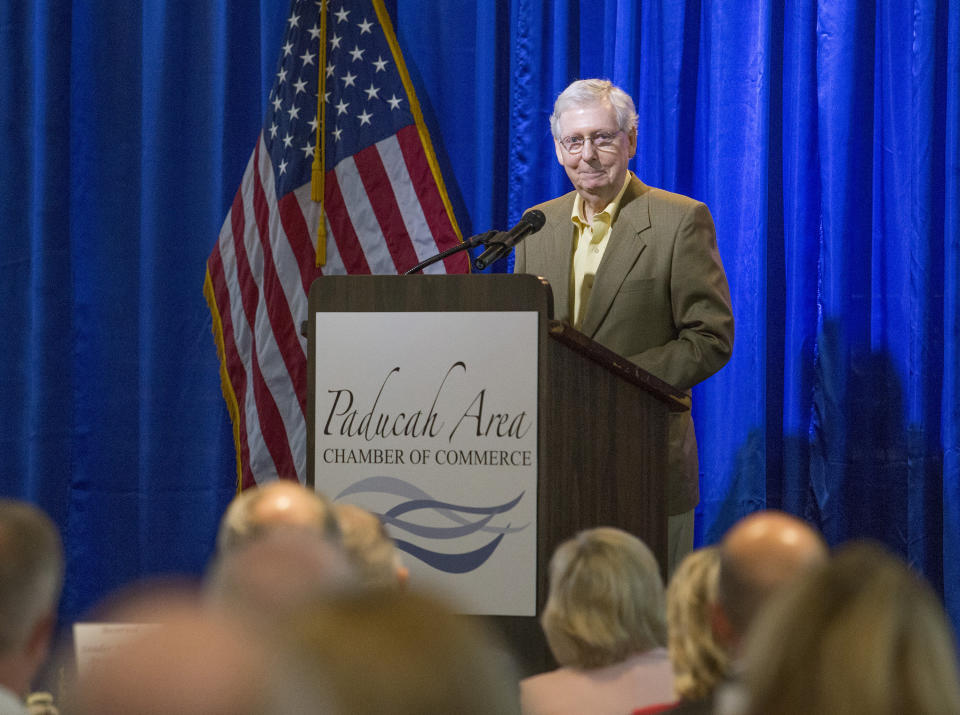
column 464, row 520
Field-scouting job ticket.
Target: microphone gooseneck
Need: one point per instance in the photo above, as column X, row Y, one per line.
column 501, row 244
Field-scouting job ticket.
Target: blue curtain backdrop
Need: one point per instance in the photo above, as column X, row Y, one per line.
column 824, row 137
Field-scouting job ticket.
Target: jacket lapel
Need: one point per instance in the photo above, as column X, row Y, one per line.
column 626, row 243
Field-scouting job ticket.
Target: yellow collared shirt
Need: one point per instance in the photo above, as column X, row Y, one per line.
column 589, row 243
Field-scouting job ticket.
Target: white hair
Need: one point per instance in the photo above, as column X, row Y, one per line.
column 584, row 92
column 368, row 546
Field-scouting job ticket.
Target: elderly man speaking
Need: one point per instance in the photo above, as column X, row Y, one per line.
column 635, row 268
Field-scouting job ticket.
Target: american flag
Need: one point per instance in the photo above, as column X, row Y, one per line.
column 385, row 207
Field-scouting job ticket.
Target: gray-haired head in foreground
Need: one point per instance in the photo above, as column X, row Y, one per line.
column 369, row 547
column 586, row 92
column 31, row 571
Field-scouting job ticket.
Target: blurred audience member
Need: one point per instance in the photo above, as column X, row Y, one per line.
column 861, row 634
column 279, row 503
column 283, row 568
column 193, row 663
column 699, row 662
column 759, row 555
column 370, row 548
column 389, row 653
column 604, row 622
column 31, row 576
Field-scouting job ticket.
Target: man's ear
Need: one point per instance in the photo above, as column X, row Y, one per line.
column 632, row 142
column 38, row 642
column 556, row 148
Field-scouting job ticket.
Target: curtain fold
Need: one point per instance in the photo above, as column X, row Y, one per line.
column 948, row 112
column 822, row 135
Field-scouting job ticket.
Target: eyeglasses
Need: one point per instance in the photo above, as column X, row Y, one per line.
column 600, row 140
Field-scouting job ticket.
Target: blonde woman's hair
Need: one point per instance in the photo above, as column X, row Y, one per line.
column 699, row 662
column 606, row 599
column 861, row 634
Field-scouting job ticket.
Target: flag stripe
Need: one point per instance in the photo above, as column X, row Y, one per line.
column 384, row 204
column 253, row 336
column 271, row 427
column 233, row 231
column 241, row 336
column 364, row 220
column 287, row 254
column 278, row 309
column 421, row 179
column 299, row 248
column 429, row 196
column 351, row 252
column 408, row 203
column 236, row 272
column 293, row 255
column 310, row 210
column 300, row 238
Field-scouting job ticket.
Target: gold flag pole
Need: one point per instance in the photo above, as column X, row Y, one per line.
column 319, row 152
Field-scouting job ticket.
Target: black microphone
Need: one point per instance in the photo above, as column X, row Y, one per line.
column 500, row 245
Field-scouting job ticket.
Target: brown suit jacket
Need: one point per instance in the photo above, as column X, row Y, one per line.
column 660, row 298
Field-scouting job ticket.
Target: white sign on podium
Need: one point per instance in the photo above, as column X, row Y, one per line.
column 430, row 421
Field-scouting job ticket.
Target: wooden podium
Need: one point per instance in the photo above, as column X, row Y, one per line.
column 602, row 441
